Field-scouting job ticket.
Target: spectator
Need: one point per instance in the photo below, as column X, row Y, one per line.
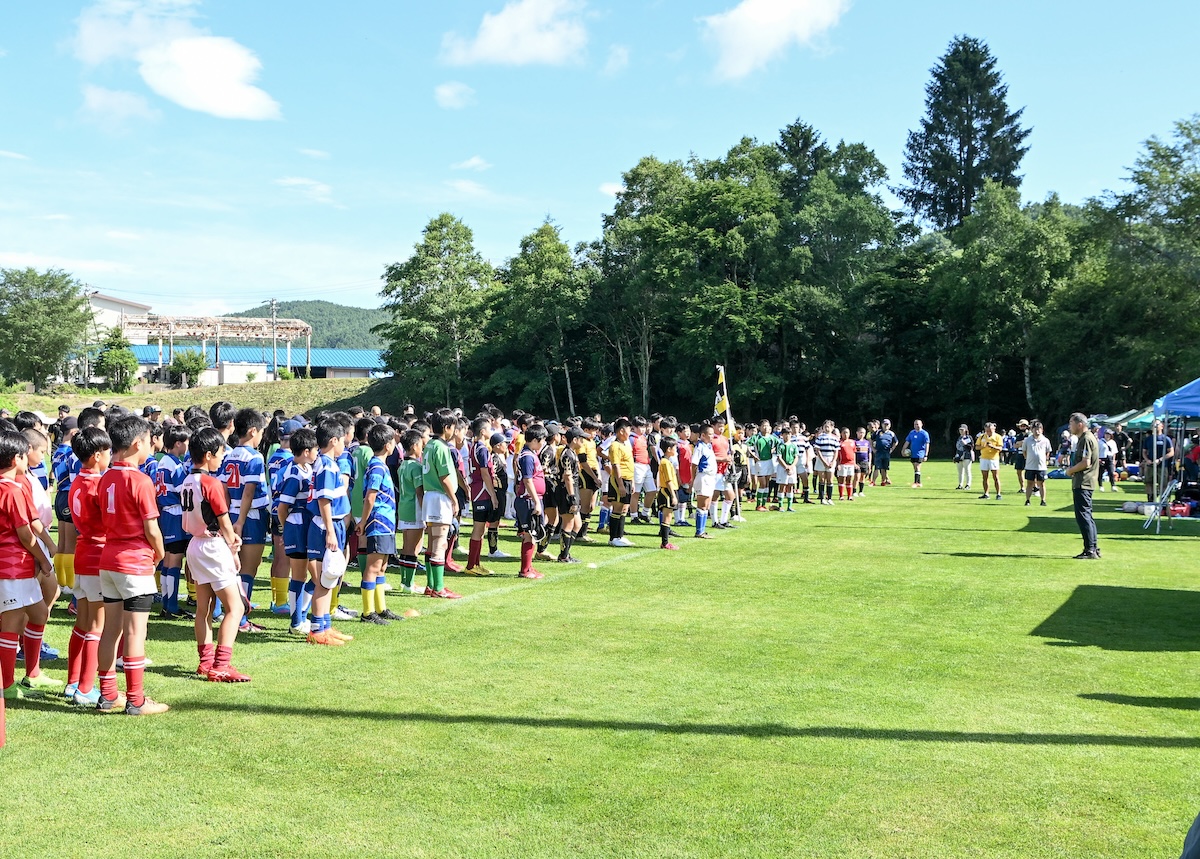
column 964, row 455
column 1158, row 454
column 1083, row 470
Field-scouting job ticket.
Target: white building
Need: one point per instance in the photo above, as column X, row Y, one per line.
column 107, row 313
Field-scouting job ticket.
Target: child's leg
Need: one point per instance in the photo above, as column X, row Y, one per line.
column 93, row 615
column 135, row 611
column 36, row 616
column 295, row 599
column 204, row 637
column 436, row 556
column 475, row 549
column 107, row 652
column 373, row 567
column 11, row 624
column 228, row 630
column 251, row 557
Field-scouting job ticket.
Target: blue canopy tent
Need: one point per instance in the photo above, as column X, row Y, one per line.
column 1182, row 402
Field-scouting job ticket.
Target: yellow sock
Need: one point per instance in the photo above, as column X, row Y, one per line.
column 337, row 592
column 59, row 573
column 69, row 569
column 380, row 596
column 191, row 589
column 279, row 591
column 368, row 598
column 157, row 581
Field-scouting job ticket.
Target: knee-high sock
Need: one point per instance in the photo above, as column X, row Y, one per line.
column 89, row 662
column 33, row 648
column 367, row 590
column 75, row 656
column 380, row 594
column 295, row 600
column 568, row 538
column 8, row 658
column 493, row 538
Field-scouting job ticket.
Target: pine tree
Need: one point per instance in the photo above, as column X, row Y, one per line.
column 967, row 136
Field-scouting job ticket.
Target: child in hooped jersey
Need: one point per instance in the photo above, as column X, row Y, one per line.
column 291, row 508
column 244, row 474
column 329, row 506
column 377, row 525
column 211, row 557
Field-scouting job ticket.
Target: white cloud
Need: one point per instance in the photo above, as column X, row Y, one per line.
column 524, row 32
column 618, row 59
column 14, row 259
column 112, row 108
column 612, row 189
column 124, row 236
column 209, row 74
column 475, row 162
column 316, row 191
column 468, row 188
column 316, row 154
column 17, row 156
column 754, row 32
column 176, row 59
column 453, row 95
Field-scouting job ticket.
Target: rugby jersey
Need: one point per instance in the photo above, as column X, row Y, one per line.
column 242, row 471
column 378, row 479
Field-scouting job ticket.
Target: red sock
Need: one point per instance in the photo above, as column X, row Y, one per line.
column 473, row 553
column 33, row 648
column 207, row 655
column 224, row 655
column 108, row 685
column 134, row 668
column 8, row 659
column 89, row 663
column 527, row 557
column 74, row 656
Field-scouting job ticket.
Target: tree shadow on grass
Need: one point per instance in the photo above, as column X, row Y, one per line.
column 1144, row 701
column 763, row 731
column 1130, row 619
column 994, row 555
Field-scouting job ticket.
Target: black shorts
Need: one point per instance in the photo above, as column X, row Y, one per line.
column 379, row 544
column 663, row 501
column 883, row 460
column 565, row 502
column 587, row 482
column 178, row 547
column 612, row 492
column 62, row 508
column 1019, row 463
column 484, row 511
column 523, row 512
column 1036, row 476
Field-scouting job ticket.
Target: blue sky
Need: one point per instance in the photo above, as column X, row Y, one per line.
column 206, row 155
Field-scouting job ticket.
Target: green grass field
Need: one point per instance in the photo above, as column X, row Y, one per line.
column 914, row 674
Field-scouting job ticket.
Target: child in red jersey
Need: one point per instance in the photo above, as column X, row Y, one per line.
column 23, row 566
column 212, row 557
column 133, row 546
column 94, row 450
column 845, row 466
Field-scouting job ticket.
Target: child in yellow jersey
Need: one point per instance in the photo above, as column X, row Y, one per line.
column 668, row 487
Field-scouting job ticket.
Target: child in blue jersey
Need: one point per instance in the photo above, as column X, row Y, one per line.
column 244, row 474
column 168, row 477
column 347, row 468
column 277, row 461
column 294, row 486
column 60, row 470
column 329, row 506
column 377, row 526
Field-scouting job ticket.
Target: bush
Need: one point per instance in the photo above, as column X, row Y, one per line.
column 187, row 367
column 250, row 377
column 284, row 375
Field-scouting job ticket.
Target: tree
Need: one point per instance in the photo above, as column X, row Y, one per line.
column 435, row 299
column 116, row 362
column 967, row 136
column 43, row 319
column 186, row 367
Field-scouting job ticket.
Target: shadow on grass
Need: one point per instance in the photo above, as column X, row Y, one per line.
column 764, row 731
column 995, row 555
column 1144, row 701
column 1132, row 619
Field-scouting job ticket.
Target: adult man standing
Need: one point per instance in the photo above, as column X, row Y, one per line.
column 1083, row 471
column 990, row 445
column 917, row 443
column 1158, row 454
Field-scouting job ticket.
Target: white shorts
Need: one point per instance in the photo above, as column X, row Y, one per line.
column 210, row 562
column 720, row 483
column 820, row 467
column 88, row 588
column 989, row 464
column 409, row 526
column 845, row 470
column 16, row 594
column 782, row 475
column 643, row 479
column 704, row 485
column 125, row 586
column 603, row 482
column 438, row 509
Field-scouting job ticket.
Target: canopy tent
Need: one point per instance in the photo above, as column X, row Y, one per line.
column 1182, row 402
column 1141, row 421
column 1113, row 420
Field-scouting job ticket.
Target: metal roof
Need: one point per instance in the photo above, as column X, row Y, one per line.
column 341, row 359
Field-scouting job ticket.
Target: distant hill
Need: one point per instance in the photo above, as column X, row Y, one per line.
column 335, row 326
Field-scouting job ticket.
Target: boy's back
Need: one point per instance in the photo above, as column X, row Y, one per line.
column 127, row 501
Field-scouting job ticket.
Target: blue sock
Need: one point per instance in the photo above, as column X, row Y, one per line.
column 701, row 521
column 247, row 587
column 296, row 601
column 306, row 598
column 326, row 621
column 605, row 514
column 380, row 581
column 173, row 575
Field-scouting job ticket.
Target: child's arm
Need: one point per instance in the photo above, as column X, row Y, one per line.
column 154, row 538
column 448, row 488
column 326, row 509
column 244, row 512
column 29, row 541
column 368, row 503
column 282, row 510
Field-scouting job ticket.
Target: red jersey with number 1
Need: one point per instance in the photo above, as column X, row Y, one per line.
column 84, row 498
column 127, row 500
column 15, row 510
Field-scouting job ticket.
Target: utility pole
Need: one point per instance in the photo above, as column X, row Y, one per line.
column 274, row 339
